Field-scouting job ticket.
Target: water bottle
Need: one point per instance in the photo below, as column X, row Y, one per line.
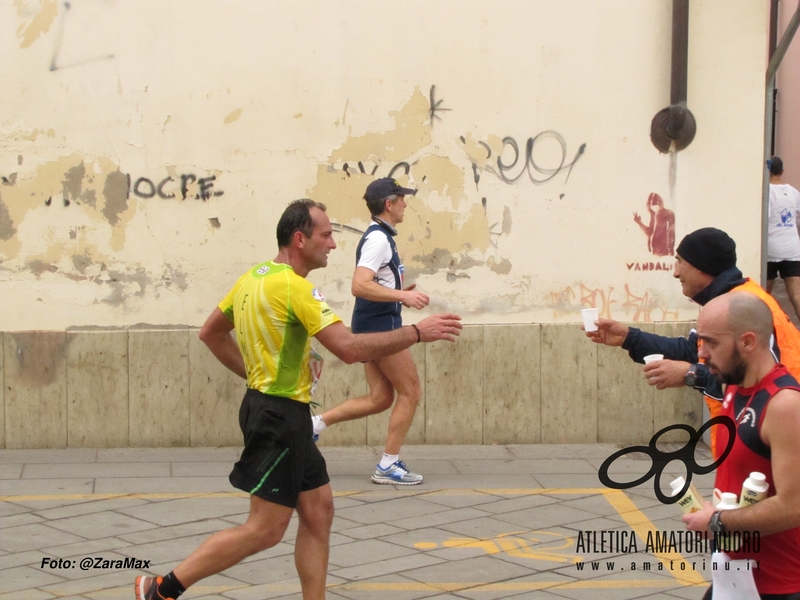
column 730, row 540
column 691, row 501
column 754, row 489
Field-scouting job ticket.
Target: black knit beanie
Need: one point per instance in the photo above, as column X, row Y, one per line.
column 710, row 250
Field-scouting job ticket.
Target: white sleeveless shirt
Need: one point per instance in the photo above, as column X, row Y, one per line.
column 783, row 242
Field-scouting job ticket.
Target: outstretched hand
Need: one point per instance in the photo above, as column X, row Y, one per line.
column 440, row 327
column 666, row 373
column 609, row 332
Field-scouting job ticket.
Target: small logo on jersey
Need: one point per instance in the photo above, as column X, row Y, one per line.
column 727, row 401
column 747, row 415
column 317, row 295
column 263, row 270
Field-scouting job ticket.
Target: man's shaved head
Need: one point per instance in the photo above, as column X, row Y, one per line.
column 748, row 312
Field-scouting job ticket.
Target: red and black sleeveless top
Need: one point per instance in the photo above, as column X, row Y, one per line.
column 779, row 557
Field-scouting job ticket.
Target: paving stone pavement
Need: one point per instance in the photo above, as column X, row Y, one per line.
column 488, row 522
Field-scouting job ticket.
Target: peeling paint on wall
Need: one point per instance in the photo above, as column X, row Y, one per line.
column 443, row 226
column 81, row 262
column 73, row 186
column 33, row 23
column 115, row 191
column 96, row 194
column 410, row 134
column 7, row 230
column 32, row 136
column 116, row 204
column 506, row 229
column 233, row 116
column 95, row 190
column 501, row 267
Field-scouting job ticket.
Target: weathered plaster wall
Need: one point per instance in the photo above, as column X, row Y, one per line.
column 148, row 149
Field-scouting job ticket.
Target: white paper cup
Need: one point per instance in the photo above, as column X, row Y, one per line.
column 653, row 358
column 590, row 315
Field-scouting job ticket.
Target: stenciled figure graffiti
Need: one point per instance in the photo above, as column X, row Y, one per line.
column 661, row 230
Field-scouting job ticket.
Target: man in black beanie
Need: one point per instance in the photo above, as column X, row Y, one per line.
column 705, row 264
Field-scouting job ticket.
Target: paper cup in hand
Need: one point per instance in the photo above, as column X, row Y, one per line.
column 653, row 358
column 590, row 315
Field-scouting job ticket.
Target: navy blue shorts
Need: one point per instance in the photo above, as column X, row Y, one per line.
column 280, row 458
column 362, row 323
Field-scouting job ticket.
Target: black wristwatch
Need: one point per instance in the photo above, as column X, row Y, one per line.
column 691, row 376
column 715, row 524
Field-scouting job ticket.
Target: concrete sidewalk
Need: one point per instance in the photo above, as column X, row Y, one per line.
column 488, row 522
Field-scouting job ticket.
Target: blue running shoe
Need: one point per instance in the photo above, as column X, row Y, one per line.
column 396, row 474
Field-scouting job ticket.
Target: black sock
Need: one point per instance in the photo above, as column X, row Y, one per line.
column 170, row 587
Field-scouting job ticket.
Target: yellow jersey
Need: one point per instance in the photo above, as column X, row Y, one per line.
column 275, row 313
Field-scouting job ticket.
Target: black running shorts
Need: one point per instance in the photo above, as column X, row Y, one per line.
column 786, row 268
column 280, row 458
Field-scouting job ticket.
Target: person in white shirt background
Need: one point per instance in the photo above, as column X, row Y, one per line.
column 783, row 241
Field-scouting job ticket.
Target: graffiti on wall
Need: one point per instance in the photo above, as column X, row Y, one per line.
column 186, row 185
column 503, row 161
column 69, row 24
column 171, row 187
column 660, row 229
column 435, row 106
column 537, row 172
column 639, row 307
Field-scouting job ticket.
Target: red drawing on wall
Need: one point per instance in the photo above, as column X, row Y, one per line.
column 569, row 300
column 661, row 230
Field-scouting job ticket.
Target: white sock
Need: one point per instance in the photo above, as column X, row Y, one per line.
column 387, row 460
column 318, row 424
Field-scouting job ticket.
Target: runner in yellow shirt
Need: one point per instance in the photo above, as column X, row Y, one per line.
column 275, row 312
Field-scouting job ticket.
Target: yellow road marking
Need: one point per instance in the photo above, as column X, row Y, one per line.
column 336, row 494
column 634, row 517
column 642, row 525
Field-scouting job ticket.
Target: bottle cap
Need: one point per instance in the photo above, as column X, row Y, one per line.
column 757, row 477
column 727, row 501
column 677, row 485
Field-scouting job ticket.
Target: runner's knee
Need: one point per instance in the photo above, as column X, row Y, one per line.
column 263, row 538
column 318, row 518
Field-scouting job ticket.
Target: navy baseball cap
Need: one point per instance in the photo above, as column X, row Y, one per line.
column 386, row 186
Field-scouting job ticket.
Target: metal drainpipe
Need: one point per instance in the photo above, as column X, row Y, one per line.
column 774, row 63
column 774, row 11
column 676, row 124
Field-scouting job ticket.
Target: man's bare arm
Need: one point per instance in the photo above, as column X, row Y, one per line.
column 365, row 286
column 216, row 334
column 351, row 347
column 781, row 431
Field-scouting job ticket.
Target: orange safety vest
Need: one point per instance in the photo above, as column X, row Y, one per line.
column 787, row 339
